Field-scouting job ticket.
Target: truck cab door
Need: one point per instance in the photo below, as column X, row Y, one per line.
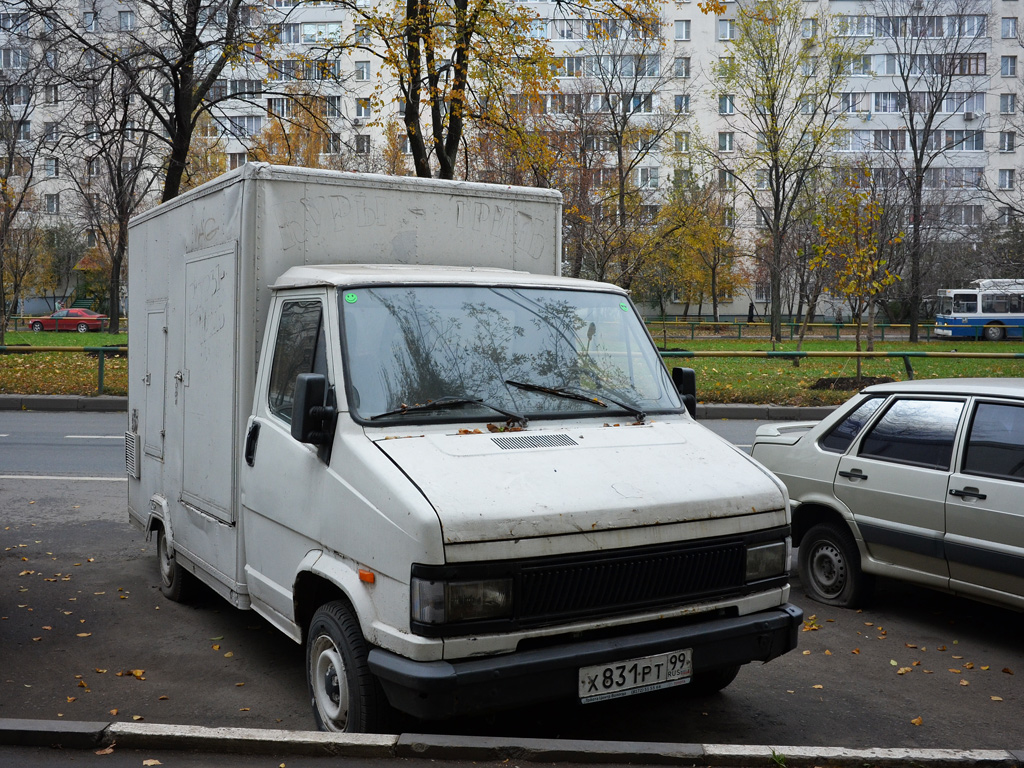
column 282, row 478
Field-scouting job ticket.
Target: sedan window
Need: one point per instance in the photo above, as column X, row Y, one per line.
column 918, row 432
column 995, row 447
column 839, row 439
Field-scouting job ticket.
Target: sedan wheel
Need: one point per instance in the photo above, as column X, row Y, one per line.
column 830, row 566
column 83, row 327
column 37, row 326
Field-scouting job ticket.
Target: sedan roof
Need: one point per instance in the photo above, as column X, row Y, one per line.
column 1010, row 387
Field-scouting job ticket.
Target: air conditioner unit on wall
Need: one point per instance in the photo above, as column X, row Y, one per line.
column 357, row 121
column 968, row 116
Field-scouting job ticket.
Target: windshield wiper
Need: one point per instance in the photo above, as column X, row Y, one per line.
column 556, row 391
column 578, row 394
column 452, row 402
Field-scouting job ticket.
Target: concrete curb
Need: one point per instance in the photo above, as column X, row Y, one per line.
column 704, row 410
column 86, row 735
column 106, row 403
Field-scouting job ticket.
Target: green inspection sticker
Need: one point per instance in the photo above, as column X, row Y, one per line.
column 624, row 306
column 351, row 298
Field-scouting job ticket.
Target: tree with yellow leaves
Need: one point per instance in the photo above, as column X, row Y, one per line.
column 854, row 252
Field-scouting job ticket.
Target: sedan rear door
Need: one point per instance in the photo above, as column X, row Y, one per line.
column 985, row 506
column 895, row 482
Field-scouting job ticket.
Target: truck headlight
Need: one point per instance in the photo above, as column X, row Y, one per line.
column 766, row 561
column 444, row 602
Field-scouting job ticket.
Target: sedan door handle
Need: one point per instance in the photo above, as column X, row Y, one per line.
column 854, row 475
column 250, row 443
column 967, row 493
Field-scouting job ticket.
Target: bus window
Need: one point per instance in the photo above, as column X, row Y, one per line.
column 964, row 303
column 994, row 302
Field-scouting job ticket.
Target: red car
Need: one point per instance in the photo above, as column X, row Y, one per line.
column 80, row 320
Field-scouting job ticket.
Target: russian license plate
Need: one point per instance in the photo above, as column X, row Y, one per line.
column 623, row 678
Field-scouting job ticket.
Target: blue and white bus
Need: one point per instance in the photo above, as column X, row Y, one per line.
column 989, row 309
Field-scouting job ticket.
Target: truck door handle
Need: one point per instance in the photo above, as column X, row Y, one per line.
column 250, row 443
column 854, row 475
column 967, row 493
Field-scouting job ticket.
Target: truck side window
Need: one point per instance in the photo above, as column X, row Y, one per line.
column 995, row 447
column 844, row 433
column 917, row 432
column 300, row 347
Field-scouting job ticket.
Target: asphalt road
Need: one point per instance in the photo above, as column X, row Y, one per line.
column 86, row 635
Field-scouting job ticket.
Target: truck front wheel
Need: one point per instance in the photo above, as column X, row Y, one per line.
column 345, row 695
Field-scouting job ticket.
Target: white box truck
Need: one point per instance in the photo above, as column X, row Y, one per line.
column 369, row 409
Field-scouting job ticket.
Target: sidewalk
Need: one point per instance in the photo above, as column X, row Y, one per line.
column 704, row 410
column 251, row 741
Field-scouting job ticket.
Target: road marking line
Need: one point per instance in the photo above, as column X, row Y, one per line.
column 65, row 477
column 94, row 437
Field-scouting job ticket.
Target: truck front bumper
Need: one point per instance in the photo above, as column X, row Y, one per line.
column 440, row 689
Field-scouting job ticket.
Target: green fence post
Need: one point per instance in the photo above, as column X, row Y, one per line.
column 99, row 388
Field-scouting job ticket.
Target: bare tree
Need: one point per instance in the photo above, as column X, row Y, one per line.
column 24, row 140
column 779, row 91
column 938, row 70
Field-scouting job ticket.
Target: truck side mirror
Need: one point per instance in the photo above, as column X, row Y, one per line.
column 312, row 418
column 685, row 380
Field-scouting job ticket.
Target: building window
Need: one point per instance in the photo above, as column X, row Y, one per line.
column 729, row 217
column 52, row 168
column 126, row 20
column 245, row 126
column 92, row 131
column 52, row 203
column 1008, row 66
column 725, row 141
column 237, row 159
column 92, row 167
column 362, row 108
column 682, row 66
column 972, row 141
column 682, row 103
column 726, row 104
column 1006, row 178
column 334, row 144
column 333, row 106
column 89, row 22
column 682, row 141
column 1009, row 28
column 809, row 29
column 727, row 29
column 647, row 178
column 726, row 179
column 362, row 71
column 1007, row 141
column 362, row 144
column 1007, row 103
column 1005, row 215
column 683, row 30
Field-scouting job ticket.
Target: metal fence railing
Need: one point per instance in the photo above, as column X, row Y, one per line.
column 907, row 356
column 739, row 329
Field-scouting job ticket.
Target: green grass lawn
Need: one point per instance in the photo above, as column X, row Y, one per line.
column 719, row 379
column 774, row 380
column 62, row 373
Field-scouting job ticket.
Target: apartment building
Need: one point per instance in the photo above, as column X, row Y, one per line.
column 325, row 51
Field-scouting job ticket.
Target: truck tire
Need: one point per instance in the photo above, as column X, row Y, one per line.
column 711, row 681
column 345, row 695
column 829, row 566
column 176, row 583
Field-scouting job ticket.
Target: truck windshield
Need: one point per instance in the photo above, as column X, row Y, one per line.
column 445, row 353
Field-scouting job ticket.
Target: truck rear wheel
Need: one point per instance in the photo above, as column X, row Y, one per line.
column 345, row 695
column 175, row 582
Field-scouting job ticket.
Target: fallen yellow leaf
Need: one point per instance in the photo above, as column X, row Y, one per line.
column 228, row 655
column 996, row 698
column 151, row 761
column 965, row 682
column 817, row 686
column 136, row 717
column 106, row 751
column 1007, row 670
column 84, row 634
column 114, row 712
column 917, row 721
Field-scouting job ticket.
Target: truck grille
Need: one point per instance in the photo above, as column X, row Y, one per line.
column 632, row 580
